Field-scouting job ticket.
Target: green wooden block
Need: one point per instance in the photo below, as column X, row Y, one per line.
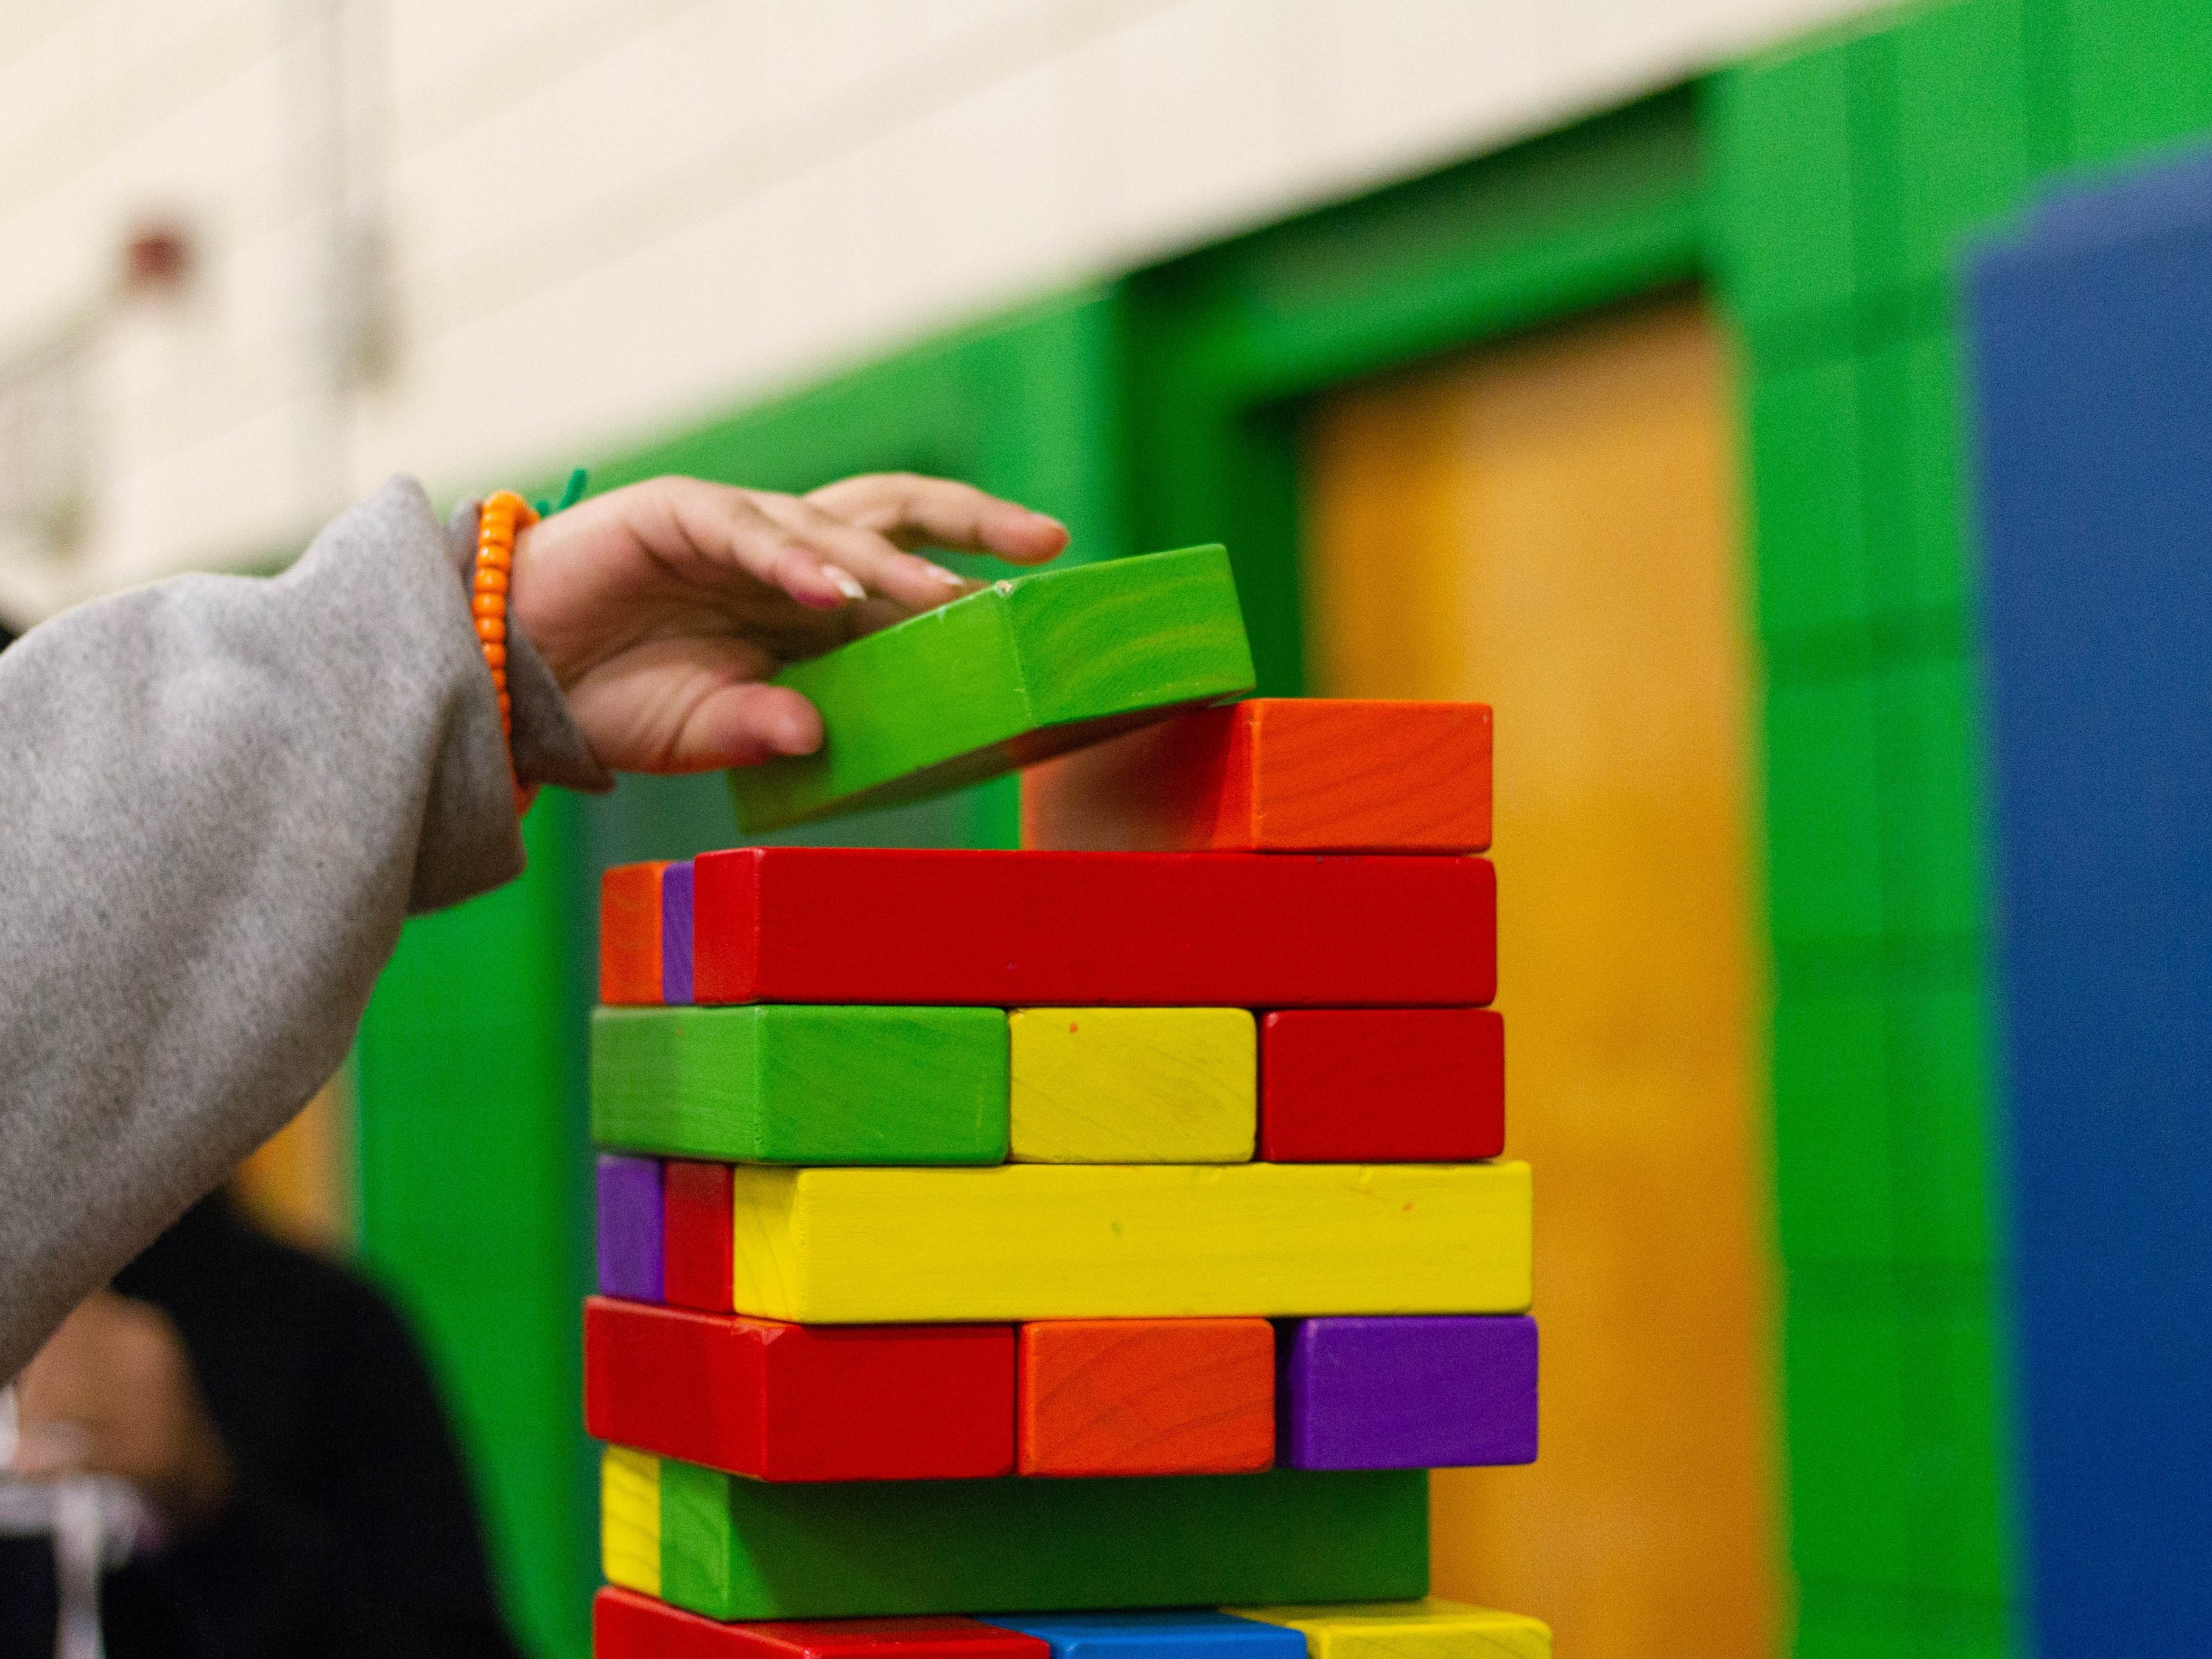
column 1024, row 670
column 1939, row 1106
column 1833, row 1163
column 1823, row 813
column 733, row 1548
column 1808, row 495
column 800, row 1084
column 1844, row 1394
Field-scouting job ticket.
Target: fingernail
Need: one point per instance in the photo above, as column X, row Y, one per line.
column 1046, row 518
column 950, row 578
column 844, row 582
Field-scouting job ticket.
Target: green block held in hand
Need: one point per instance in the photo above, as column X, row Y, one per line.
column 1022, row 670
column 798, row 1084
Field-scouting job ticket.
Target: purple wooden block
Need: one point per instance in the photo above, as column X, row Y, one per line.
column 676, row 932
column 1396, row 1393
column 629, row 1227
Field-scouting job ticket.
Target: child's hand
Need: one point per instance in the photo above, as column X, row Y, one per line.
column 661, row 607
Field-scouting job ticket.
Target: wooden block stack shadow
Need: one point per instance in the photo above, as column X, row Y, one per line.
column 1016, row 1255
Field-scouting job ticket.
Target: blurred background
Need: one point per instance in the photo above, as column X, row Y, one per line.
column 1600, row 361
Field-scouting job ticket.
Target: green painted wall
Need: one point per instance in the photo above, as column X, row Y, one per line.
column 1847, row 174
column 1821, row 194
column 1842, row 175
column 473, row 1180
column 1225, row 345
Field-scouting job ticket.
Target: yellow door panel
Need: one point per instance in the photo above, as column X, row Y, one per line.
column 1548, row 525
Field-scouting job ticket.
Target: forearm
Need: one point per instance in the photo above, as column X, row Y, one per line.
column 221, row 797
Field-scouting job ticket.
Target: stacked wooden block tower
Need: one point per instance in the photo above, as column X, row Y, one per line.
column 1062, row 1249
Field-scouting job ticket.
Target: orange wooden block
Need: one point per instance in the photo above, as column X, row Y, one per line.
column 1276, row 775
column 629, row 934
column 1145, row 1397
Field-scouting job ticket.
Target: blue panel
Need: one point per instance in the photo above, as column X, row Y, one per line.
column 2092, row 330
column 2123, row 209
column 1181, row 1635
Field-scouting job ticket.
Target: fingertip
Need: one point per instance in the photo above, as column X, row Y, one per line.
column 811, row 584
column 793, row 726
column 1026, row 536
column 815, row 583
column 746, row 724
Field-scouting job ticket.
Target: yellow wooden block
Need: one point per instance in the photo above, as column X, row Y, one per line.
column 1133, row 1085
column 1089, row 1241
column 629, row 1519
column 1428, row 1629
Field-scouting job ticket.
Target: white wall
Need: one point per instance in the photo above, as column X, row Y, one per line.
column 600, row 218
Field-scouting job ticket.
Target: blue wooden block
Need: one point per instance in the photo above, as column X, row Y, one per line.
column 1173, row 1635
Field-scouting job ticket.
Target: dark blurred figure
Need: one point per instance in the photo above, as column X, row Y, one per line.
column 306, row 1492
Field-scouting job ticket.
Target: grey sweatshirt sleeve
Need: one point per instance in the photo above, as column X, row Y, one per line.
column 219, row 798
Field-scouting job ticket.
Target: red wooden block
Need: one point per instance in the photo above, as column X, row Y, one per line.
column 877, row 925
column 698, row 1220
column 629, row 934
column 1382, row 1085
column 800, row 1402
column 1146, row 1396
column 1305, row 774
column 627, row 1625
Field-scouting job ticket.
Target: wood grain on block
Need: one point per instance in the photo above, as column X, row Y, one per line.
column 786, row 1084
column 629, row 934
column 1405, row 1394
column 1024, row 669
column 696, row 1211
column 1382, row 1085
column 630, row 1626
column 629, row 1223
column 1078, row 1241
column 1430, row 1628
column 1132, row 1085
column 1304, row 774
column 676, row 932
column 733, row 1548
column 1145, row 1396
column 1012, row 929
column 791, row 1402
column 629, row 1519
column 1177, row 1633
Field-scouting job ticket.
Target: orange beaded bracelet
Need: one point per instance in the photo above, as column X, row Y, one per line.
column 503, row 515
